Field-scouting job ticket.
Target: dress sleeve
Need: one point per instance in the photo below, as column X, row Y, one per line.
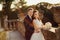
column 35, row 24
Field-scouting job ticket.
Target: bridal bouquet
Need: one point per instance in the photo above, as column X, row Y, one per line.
column 48, row 25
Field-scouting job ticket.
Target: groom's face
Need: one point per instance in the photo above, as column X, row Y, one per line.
column 30, row 12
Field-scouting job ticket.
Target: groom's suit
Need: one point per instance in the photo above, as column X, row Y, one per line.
column 29, row 27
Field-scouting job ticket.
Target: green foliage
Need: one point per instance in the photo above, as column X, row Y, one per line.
column 24, row 8
column 9, row 0
column 1, row 1
column 23, row 2
column 6, row 0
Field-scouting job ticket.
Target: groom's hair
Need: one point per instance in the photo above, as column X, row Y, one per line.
column 30, row 8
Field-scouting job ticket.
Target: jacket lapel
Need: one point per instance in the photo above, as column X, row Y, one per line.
column 29, row 18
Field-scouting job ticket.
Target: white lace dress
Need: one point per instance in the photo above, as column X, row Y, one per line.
column 39, row 35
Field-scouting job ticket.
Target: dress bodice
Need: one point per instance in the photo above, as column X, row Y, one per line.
column 38, row 23
column 37, row 35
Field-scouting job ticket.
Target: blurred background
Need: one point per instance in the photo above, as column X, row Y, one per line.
column 13, row 12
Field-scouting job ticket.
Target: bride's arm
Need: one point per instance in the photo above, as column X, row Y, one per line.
column 34, row 23
column 36, row 26
column 42, row 26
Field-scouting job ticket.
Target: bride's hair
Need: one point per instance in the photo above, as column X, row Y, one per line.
column 40, row 14
column 34, row 13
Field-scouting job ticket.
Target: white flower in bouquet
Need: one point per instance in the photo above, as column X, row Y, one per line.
column 48, row 25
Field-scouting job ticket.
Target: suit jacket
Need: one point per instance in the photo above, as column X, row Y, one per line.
column 28, row 24
column 28, row 27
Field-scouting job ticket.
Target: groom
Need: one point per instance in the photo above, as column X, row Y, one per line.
column 28, row 24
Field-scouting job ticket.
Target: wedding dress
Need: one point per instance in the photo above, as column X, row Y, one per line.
column 37, row 35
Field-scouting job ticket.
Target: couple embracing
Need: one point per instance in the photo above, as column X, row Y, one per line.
column 33, row 25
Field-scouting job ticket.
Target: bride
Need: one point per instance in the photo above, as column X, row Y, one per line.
column 38, row 25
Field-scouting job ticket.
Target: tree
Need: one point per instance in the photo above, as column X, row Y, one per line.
column 44, row 4
column 7, row 5
column 21, row 5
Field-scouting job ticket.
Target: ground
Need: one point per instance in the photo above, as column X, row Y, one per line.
column 12, row 35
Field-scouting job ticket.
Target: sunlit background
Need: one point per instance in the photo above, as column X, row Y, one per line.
column 16, row 9
column 34, row 2
column 30, row 2
column 1, row 7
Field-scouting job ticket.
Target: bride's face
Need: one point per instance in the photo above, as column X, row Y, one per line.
column 36, row 14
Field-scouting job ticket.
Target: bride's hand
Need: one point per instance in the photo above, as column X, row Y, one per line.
column 37, row 30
